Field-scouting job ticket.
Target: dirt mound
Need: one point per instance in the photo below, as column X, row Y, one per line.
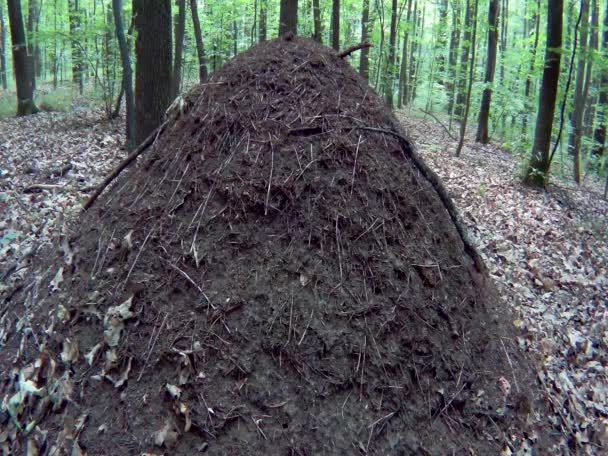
column 276, row 276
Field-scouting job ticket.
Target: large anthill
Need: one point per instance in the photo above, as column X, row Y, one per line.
column 278, row 274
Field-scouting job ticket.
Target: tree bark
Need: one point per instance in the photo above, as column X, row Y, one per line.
column 540, row 160
column 3, row 78
column 576, row 119
column 24, row 74
column 153, row 69
column 288, row 17
column 599, row 135
column 180, row 29
column 316, row 12
column 389, row 74
column 364, row 60
column 483, row 136
column 200, row 47
column 262, row 29
column 77, row 65
column 127, row 74
column 335, row 25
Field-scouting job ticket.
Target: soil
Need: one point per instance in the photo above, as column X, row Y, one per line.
column 270, row 278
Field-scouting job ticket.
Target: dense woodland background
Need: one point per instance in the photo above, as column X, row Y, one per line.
column 530, row 74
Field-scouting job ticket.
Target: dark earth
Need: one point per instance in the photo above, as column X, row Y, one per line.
column 273, row 276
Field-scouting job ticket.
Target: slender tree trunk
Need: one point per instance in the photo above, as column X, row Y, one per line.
column 528, row 89
column 262, row 29
column 288, row 17
column 180, row 29
column 364, row 60
column 3, row 78
column 127, row 72
column 153, row 69
column 200, row 47
column 24, row 73
column 441, row 43
column 389, row 74
column 599, row 135
column 380, row 12
column 464, row 61
column 540, row 160
column 77, row 67
column 589, row 76
column 463, row 124
column 235, row 38
column 403, row 83
column 413, row 76
column 484, row 112
column 316, row 12
column 32, row 43
column 453, row 55
column 335, row 25
column 576, row 119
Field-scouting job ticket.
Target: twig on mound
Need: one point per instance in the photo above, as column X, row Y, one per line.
column 357, row 47
column 126, row 162
column 409, row 150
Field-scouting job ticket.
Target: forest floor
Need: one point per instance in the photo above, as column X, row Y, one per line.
column 547, row 250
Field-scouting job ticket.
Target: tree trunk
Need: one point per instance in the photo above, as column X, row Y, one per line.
column 453, row 56
column 528, row 89
column 77, row 66
column 412, row 77
column 441, row 42
column 576, row 119
column 364, row 60
column 33, row 16
column 235, row 38
column 403, row 80
column 3, row 78
column 484, row 112
column 153, row 69
column 467, row 100
column 24, row 74
column 262, row 30
column 200, row 47
column 599, row 135
column 335, row 25
column 127, row 74
column 389, row 74
column 464, row 62
column 593, row 50
column 540, row 160
column 288, row 17
column 316, row 12
column 180, row 29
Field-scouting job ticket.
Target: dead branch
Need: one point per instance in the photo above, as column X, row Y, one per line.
column 357, row 47
column 126, row 162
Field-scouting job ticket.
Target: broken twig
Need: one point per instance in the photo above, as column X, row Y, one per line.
column 357, row 47
column 126, row 162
